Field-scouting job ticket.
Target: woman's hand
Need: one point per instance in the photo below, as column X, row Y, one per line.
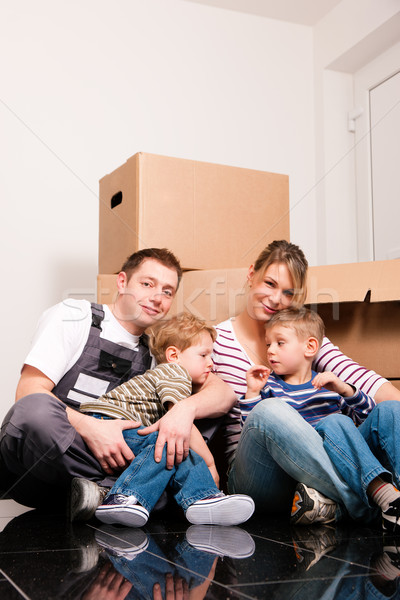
column 256, row 378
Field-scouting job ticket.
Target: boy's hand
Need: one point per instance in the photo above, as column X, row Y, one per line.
column 331, row 382
column 256, row 378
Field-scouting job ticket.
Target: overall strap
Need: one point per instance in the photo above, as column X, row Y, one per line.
column 97, row 317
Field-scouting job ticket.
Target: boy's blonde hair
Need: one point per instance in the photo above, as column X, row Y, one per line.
column 305, row 322
column 181, row 331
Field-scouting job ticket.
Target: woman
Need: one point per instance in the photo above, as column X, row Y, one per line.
column 277, row 448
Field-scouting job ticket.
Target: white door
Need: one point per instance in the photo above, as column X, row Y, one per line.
column 384, row 102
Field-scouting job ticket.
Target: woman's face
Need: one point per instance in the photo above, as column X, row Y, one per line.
column 270, row 291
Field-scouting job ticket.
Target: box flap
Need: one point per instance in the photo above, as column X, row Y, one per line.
column 377, row 281
column 387, row 283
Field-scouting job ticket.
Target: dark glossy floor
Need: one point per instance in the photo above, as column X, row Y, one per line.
column 44, row 557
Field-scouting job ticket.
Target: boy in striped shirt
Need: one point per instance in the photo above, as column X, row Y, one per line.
column 334, row 408
column 183, row 347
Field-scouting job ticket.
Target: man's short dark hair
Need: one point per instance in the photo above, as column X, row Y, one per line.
column 162, row 255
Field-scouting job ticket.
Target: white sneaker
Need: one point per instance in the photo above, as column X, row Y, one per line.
column 310, row 506
column 122, row 510
column 122, row 541
column 223, row 541
column 221, row 510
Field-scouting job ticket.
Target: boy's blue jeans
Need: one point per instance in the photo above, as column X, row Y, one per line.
column 190, row 481
column 361, row 454
column 278, row 448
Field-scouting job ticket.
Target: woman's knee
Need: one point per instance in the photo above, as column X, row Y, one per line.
column 271, row 413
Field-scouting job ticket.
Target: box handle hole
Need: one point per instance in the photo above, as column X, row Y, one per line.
column 116, row 199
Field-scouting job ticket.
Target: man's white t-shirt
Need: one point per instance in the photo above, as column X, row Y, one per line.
column 62, row 333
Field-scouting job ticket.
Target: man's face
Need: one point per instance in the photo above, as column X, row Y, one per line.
column 147, row 295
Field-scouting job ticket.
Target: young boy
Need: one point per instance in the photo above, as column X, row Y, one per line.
column 183, row 346
column 293, row 337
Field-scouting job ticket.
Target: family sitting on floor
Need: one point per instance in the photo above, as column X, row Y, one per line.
column 104, row 413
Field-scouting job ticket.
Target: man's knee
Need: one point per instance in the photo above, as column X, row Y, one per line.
column 38, row 420
column 33, row 411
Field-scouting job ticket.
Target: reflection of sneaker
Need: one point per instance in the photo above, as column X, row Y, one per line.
column 310, row 506
column 221, row 510
column 86, row 495
column 391, row 517
column 122, row 510
column 123, row 541
column 224, row 541
column 385, row 568
column 85, row 548
column 312, row 543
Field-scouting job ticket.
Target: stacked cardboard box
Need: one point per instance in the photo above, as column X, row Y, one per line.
column 211, row 216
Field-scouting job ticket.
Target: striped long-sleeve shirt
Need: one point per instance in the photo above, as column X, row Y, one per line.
column 231, row 363
column 142, row 398
column 312, row 404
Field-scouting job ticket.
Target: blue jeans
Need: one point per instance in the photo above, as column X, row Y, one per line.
column 278, row 448
column 152, row 566
column 361, row 454
column 144, row 478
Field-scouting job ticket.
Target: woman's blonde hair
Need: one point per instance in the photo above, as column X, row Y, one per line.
column 281, row 251
column 181, row 331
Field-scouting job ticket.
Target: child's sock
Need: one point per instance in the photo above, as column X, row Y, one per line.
column 383, row 493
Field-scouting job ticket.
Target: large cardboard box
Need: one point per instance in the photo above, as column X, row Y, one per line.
column 211, row 216
column 359, row 303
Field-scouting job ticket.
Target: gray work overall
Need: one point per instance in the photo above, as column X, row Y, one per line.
column 41, row 452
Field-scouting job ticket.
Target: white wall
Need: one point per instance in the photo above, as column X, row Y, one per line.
column 352, row 35
column 87, row 83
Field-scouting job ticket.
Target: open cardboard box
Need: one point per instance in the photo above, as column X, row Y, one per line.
column 360, row 306
column 359, row 303
column 198, row 210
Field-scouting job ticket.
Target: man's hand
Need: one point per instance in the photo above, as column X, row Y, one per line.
column 109, row 585
column 104, row 439
column 174, row 430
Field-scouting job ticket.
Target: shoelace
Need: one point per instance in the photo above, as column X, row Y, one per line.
column 122, row 499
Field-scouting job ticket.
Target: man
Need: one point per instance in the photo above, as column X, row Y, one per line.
column 81, row 351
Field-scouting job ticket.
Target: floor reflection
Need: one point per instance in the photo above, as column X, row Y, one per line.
column 45, row 556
